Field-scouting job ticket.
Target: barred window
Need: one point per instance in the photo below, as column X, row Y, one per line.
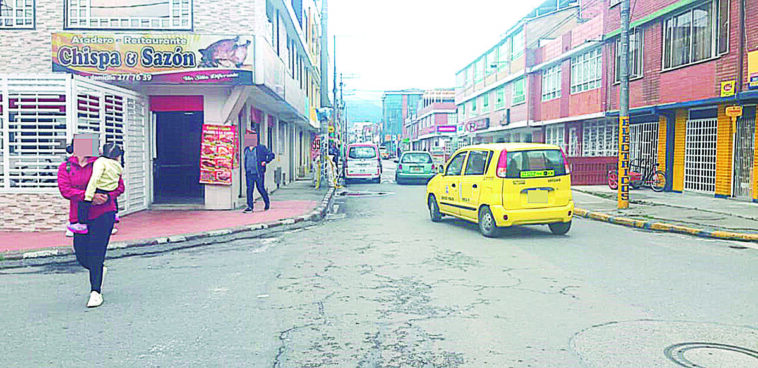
column 551, row 83
column 15, row 14
column 600, row 139
column 129, row 14
column 554, row 134
column 586, row 71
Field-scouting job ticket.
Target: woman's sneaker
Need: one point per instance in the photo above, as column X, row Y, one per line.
column 95, row 300
column 77, row 228
column 118, row 219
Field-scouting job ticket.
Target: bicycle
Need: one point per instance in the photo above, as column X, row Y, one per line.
column 641, row 173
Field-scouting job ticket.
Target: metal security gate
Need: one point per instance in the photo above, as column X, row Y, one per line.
column 40, row 113
column 644, row 142
column 700, row 155
column 744, row 149
column 32, row 131
column 118, row 115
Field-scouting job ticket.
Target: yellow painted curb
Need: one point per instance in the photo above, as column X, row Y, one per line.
column 660, row 226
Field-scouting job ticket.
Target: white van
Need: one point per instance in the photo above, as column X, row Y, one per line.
column 363, row 163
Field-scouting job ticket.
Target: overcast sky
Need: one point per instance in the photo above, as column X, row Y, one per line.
column 396, row 44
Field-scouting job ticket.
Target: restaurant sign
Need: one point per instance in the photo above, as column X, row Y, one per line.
column 477, row 125
column 155, row 58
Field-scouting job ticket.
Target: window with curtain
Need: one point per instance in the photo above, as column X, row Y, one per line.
column 635, row 55
column 16, row 14
column 519, row 91
column 586, row 71
column 691, row 36
column 486, row 102
column 551, row 83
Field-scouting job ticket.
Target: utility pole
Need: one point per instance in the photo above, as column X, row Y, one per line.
column 624, row 144
column 343, row 149
column 324, row 81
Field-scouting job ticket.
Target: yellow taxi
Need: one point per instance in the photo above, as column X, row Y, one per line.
column 505, row 184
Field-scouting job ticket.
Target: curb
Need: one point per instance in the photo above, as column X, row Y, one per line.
column 253, row 231
column 664, row 227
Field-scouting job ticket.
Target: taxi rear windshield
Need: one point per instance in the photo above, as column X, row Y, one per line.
column 362, row 152
column 535, row 164
column 417, row 158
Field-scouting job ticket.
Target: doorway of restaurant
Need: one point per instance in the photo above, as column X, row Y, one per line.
column 176, row 166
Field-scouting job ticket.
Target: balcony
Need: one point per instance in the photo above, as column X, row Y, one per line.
column 270, row 74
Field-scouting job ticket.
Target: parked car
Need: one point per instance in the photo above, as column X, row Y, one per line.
column 363, row 163
column 501, row 185
column 415, row 166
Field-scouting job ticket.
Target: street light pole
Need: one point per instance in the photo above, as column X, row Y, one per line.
column 623, row 154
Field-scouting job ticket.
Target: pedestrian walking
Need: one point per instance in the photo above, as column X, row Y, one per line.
column 73, row 177
column 257, row 156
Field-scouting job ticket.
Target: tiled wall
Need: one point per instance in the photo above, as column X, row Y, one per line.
column 33, row 212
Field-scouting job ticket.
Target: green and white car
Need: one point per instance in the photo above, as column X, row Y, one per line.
column 415, row 166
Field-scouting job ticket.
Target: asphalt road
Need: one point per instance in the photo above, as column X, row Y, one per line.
column 379, row 285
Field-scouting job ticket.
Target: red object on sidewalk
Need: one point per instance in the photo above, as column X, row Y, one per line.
column 156, row 224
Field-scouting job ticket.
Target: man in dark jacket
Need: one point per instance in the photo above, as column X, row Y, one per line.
column 256, row 156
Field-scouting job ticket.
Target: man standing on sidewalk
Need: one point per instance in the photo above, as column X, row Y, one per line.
column 256, row 157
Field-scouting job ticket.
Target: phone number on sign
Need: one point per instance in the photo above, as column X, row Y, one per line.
column 123, row 77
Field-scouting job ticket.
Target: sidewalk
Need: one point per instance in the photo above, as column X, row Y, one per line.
column 295, row 200
column 690, row 213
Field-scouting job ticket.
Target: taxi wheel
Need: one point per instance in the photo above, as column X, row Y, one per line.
column 487, row 225
column 434, row 210
column 560, row 228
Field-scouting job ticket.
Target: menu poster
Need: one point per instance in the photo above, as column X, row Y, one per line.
column 217, row 154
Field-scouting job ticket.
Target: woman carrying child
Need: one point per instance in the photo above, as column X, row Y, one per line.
column 89, row 187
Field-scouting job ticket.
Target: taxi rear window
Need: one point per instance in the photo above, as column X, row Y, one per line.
column 535, row 164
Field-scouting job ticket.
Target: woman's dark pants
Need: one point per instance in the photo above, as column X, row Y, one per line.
column 90, row 248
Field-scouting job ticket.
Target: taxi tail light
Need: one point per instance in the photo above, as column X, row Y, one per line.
column 566, row 166
column 400, row 166
column 502, row 164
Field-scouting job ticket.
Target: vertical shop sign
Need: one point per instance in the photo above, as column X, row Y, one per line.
column 623, row 176
column 217, row 154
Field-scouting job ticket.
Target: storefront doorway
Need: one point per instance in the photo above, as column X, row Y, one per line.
column 176, row 167
column 744, row 149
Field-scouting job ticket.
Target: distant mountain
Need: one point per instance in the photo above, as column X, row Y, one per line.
column 364, row 110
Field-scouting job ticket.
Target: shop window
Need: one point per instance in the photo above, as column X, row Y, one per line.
column 635, row 55
column 519, row 92
column 586, row 71
column 17, row 14
column 551, row 83
column 691, row 36
column 129, row 14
